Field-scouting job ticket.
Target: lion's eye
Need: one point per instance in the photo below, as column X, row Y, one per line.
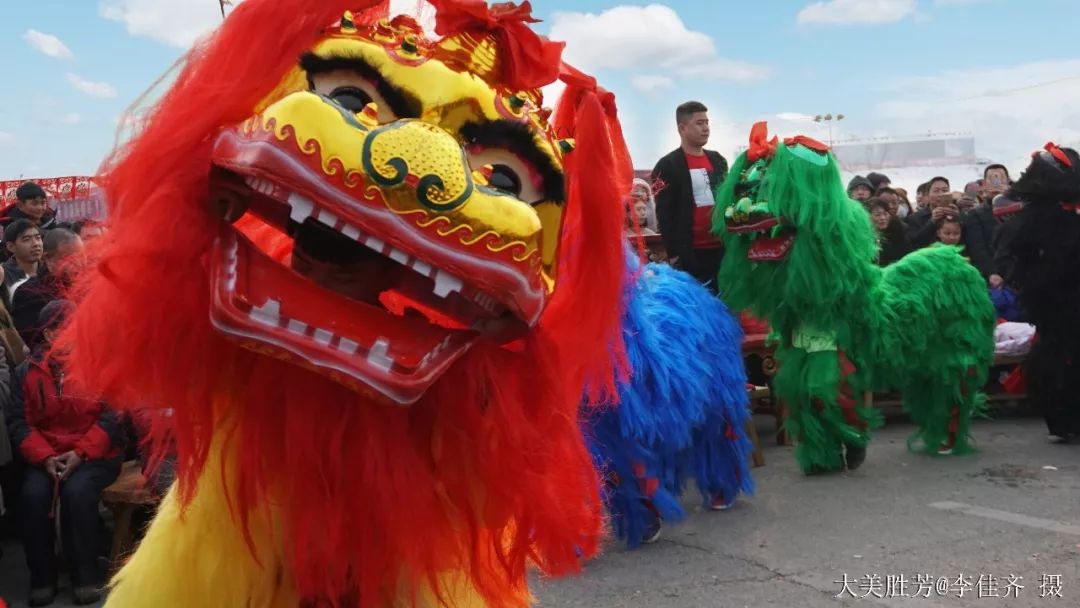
column 351, row 98
column 506, row 179
column 509, row 173
column 353, row 91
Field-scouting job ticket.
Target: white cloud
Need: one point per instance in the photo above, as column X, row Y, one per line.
column 651, row 82
column 795, row 117
column 48, row 44
column 180, row 23
column 552, row 93
column 69, row 118
column 424, row 12
column 1035, row 102
column 6, row 139
column 863, row 12
column 956, row 2
column 177, row 23
column 651, row 37
column 102, row 90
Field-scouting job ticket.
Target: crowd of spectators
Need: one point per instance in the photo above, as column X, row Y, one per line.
column 975, row 220
column 61, row 447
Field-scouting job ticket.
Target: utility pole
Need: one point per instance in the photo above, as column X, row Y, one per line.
column 829, row 118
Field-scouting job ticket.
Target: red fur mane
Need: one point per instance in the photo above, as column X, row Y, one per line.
column 486, row 472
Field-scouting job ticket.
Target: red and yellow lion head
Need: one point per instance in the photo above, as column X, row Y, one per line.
column 353, row 260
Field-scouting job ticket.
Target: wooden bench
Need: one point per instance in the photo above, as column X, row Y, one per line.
column 756, row 393
column 126, row 495
column 894, row 404
column 763, row 402
column 761, row 398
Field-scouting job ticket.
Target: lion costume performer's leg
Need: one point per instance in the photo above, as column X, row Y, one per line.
column 200, row 550
column 936, row 345
column 696, row 322
column 682, row 412
column 194, row 552
column 829, row 428
column 1053, row 379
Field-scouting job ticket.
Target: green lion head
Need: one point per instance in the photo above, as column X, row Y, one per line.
column 797, row 248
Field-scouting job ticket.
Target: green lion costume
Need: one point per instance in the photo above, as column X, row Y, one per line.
column 800, row 254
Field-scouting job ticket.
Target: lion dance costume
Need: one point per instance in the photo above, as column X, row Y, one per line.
column 353, row 266
column 1046, row 247
column 682, row 411
column 800, row 253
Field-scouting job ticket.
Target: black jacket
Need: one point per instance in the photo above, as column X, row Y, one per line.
column 11, row 213
column 1004, row 258
column 978, row 227
column 27, row 303
column 921, row 231
column 893, row 242
column 675, row 202
column 13, row 274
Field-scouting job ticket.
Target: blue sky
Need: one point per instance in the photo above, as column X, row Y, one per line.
column 1004, row 70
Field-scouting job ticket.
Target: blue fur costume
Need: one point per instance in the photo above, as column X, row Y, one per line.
column 683, row 411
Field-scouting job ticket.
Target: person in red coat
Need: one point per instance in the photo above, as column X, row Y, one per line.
column 72, row 446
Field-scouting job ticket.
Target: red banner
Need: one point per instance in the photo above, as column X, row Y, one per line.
column 74, row 197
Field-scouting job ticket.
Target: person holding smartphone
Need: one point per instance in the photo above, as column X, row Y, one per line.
column 980, row 224
column 995, row 182
column 922, row 225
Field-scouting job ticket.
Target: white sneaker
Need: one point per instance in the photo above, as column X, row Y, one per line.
column 652, row 534
column 719, row 504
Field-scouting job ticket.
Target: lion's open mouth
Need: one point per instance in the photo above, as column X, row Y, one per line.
column 296, row 281
column 339, row 257
column 771, row 249
column 772, row 240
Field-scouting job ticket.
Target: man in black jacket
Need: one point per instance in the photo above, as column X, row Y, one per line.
column 922, row 225
column 685, row 180
column 63, row 249
column 30, row 205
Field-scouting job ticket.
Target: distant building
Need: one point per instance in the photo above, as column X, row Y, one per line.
column 863, row 157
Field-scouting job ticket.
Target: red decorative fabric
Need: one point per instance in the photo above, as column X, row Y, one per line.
column 1057, row 153
column 809, row 142
column 530, row 61
column 752, row 325
column 760, row 144
column 1015, row 383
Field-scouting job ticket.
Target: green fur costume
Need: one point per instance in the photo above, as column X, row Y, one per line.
column 800, row 254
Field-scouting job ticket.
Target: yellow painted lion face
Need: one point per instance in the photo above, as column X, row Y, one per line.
column 409, row 181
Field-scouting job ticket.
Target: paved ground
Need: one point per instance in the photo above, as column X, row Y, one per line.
column 1000, row 512
column 1014, row 508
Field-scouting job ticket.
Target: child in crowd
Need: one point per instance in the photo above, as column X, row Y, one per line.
column 950, row 232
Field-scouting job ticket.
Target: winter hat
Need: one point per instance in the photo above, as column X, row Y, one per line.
column 857, row 181
column 877, row 180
